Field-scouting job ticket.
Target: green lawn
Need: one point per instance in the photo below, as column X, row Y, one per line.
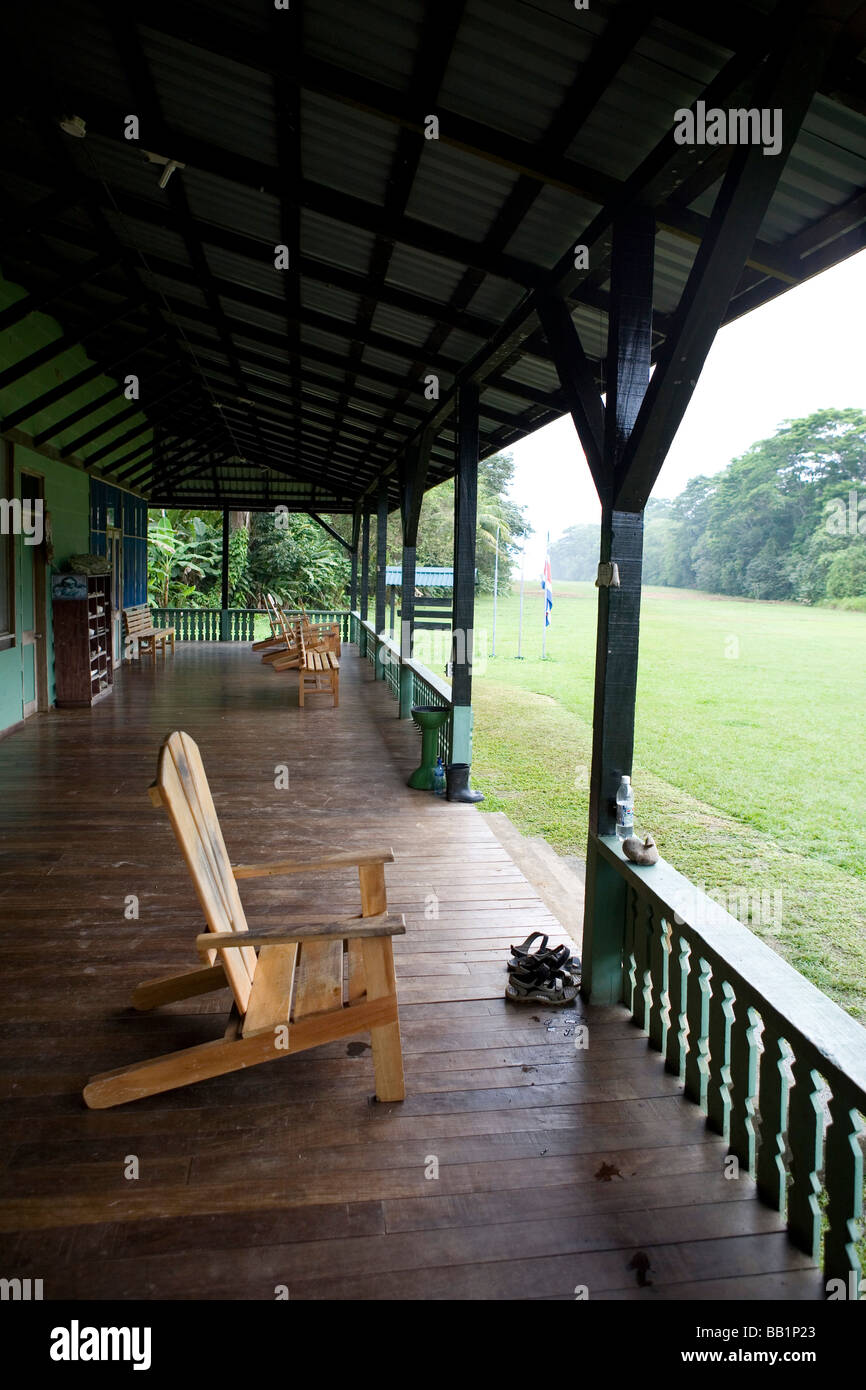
column 750, row 757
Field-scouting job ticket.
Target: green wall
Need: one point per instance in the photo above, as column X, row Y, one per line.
column 67, row 489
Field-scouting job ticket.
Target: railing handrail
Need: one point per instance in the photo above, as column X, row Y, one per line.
column 804, row 1013
column 424, row 673
column 406, row 677
column 442, row 688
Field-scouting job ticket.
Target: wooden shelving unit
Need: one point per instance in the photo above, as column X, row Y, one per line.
column 83, row 666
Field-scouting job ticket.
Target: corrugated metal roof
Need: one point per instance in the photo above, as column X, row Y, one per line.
column 435, row 213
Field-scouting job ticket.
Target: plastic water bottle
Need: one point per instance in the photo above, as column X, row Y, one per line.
column 625, row 809
column 439, row 779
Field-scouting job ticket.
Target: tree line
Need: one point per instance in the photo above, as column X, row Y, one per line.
column 785, row 520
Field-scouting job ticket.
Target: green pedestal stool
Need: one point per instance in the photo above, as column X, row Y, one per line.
column 429, row 719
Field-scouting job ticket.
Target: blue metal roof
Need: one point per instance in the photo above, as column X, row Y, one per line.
column 441, row 576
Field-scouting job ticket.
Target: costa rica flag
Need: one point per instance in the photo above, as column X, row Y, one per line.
column 547, row 586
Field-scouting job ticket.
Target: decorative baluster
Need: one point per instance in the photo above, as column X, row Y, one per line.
column 773, row 1123
column 678, row 967
column 806, row 1146
column 843, row 1179
column 628, row 958
column 697, row 1015
column 744, row 1084
column 659, row 1009
column 721, row 1014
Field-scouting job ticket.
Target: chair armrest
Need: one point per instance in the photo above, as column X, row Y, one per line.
column 348, row 860
column 343, row 929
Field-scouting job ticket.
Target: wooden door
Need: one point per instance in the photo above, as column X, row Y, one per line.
column 114, row 550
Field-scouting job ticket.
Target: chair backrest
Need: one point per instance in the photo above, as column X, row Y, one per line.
column 182, row 787
column 289, row 631
column 273, row 608
column 138, row 620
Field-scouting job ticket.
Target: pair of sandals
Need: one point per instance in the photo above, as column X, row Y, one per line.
column 543, row 976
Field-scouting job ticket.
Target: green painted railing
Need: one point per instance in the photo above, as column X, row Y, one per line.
column 410, row 681
column 232, row 624
column 207, row 624
column 778, row 1069
column 324, row 615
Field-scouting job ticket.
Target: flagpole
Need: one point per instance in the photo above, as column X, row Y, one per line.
column 544, row 608
column 520, row 619
column 495, row 588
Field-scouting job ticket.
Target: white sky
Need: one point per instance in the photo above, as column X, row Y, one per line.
column 805, row 351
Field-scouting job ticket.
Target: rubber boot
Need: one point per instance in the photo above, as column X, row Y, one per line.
column 457, row 786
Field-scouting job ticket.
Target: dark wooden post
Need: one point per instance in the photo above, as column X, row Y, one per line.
column 626, row 441
column 224, row 613
column 353, row 583
column 365, row 580
column 407, row 630
column 381, row 566
column 412, row 495
column 463, row 598
column 616, row 653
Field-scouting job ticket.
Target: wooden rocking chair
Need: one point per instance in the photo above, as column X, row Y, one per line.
column 289, row 996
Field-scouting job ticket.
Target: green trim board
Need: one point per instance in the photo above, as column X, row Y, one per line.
column 34, row 332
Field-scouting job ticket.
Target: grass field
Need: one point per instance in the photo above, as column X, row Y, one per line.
column 750, row 755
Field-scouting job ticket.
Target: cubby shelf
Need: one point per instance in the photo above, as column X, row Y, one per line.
column 82, row 645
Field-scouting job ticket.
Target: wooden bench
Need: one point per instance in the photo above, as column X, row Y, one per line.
column 138, row 626
column 295, row 993
column 314, row 658
column 319, row 672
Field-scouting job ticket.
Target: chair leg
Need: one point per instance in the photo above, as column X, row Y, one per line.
column 385, row 1039
column 177, row 1069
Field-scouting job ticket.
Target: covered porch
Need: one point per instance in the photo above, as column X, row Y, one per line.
column 563, row 1159
column 357, row 271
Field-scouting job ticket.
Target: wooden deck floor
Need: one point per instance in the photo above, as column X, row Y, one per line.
column 557, row 1167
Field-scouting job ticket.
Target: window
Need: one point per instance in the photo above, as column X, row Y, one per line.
column 7, row 554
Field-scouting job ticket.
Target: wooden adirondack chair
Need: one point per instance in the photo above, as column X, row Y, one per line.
column 292, row 995
column 276, row 638
column 287, row 652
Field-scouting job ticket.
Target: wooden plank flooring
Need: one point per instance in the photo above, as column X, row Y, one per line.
column 556, row 1166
